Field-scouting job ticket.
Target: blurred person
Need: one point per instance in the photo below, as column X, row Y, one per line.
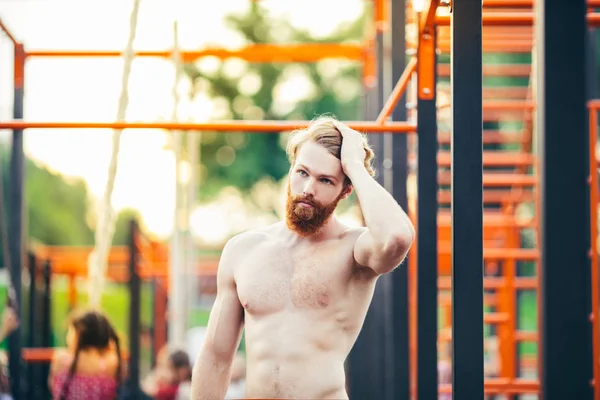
column 8, row 324
column 301, row 287
column 90, row 367
column 160, row 375
column 180, row 373
column 173, row 370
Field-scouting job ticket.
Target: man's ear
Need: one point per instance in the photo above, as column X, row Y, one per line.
column 347, row 191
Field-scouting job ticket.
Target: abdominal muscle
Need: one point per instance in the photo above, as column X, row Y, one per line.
column 290, row 355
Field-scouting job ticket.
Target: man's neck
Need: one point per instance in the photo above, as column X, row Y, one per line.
column 327, row 231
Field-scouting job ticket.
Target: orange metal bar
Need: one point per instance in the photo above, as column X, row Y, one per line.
column 506, row 333
column 496, row 179
column 509, row 70
column 305, row 52
column 426, row 52
column 489, row 137
column 7, row 32
column 490, row 159
column 593, row 182
column 45, row 354
column 493, row 197
column 502, row 254
column 525, row 336
column 520, row 336
column 223, row 126
column 512, row 19
column 445, row 282
column 73, row 294
column 494, row 46
column 502, row 385
column 381, row 20
column 523, row 3
column 398, row 91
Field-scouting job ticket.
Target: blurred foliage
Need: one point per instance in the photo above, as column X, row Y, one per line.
column 241, row 90
column 57, row 208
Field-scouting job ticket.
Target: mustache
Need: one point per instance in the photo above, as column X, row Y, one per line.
column 306, row 199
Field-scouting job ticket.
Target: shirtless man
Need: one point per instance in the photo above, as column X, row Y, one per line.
column 301, row 288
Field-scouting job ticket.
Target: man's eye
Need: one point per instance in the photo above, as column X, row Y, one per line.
column 326, row 181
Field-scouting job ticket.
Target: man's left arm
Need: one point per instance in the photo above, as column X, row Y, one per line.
column 390, row 232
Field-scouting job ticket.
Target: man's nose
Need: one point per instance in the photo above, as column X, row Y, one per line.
column 309, row 188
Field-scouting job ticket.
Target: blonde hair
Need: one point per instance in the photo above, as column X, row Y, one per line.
column 323, row 132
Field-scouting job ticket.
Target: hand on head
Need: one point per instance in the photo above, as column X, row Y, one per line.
column 353, row 150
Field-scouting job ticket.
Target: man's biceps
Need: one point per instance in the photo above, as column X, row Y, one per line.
column 363, row 249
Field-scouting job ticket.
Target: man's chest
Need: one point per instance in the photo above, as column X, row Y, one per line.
column 275, row 279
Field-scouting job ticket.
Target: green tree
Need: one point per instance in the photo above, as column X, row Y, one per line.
column 121, row 236
column 57, row 209
column 241, row 159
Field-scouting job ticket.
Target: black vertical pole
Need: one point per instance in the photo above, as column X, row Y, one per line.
column 15, row 219
column 467, row 201
column 400, row 318
column 566, row 340
column 427, row 253
column 47, row 323
column 368, row 358
column 31, row 323
column 134, row 313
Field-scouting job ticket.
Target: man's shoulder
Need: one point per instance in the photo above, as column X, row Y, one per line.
column 253, row 237
column 352, row 233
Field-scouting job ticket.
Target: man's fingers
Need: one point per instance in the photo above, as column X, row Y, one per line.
column 344, row 130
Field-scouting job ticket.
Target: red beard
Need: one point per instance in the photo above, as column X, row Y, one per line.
column 307, row 221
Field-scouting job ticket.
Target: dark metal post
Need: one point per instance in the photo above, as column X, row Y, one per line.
column 467, row 200
column 400, row 317
column 134, row 313
column 15, row 219
column 427, row 243
column 566, row 341
column 46, row 324
column 31, row 386
column 367, row 360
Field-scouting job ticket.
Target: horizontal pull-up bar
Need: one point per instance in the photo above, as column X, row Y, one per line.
column 523, row 3
column 304, row 52
column 223, row 126
column 512, row 19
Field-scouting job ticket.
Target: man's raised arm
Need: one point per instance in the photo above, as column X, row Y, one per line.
column 390, row 232
column 211, row 373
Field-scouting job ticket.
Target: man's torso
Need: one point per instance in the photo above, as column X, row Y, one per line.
column 304, row 304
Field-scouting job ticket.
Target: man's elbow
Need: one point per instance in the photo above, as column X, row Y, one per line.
column 399, row 242
column 394, row 250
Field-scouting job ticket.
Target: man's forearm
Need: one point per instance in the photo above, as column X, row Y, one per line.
column 210, row 378
column 383, row 215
